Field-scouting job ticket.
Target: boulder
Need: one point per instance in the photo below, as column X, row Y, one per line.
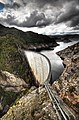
column 10, row 82
column 11, row 87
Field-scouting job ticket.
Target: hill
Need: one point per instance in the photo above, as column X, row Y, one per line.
column 10, row 40
column 65, row 38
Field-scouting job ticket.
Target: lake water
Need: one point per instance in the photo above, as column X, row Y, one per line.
column 63, row 45
column 55, row 60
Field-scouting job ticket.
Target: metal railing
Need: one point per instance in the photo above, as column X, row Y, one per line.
column 62, row 111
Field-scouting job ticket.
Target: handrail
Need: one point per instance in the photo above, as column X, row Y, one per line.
column 61, row 109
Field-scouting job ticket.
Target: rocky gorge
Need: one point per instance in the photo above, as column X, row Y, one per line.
column 34, row 103
column 20, row 97
column 68, row 84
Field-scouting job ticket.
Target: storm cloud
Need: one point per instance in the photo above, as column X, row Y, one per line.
column 41, row 14
column 71, row 13
column 36, row 20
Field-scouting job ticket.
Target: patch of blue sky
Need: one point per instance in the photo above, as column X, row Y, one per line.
column 1, row 7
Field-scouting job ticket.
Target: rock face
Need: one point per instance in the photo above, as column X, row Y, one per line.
column 10, row 88
column 34, row 106
column 68, row 84
column 10, row 82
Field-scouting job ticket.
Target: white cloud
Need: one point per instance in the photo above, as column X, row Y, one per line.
column 3, row 1
column 6, row 1
column 49, row 30
column 51, row 17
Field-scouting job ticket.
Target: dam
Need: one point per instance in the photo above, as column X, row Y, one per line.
column 42, row 69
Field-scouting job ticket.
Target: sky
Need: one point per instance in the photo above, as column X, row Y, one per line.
column 42, row 16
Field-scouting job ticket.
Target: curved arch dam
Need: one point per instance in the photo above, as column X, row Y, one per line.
column 43, row 66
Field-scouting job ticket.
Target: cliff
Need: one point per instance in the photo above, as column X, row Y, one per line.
column 68, row 84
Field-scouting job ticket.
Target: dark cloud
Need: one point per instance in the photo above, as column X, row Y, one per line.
column 68, row 15
column 74, row 22
column 9, row 20
column 41, row 3
column 41, row 13
column 36, row 19
column 15, row 5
